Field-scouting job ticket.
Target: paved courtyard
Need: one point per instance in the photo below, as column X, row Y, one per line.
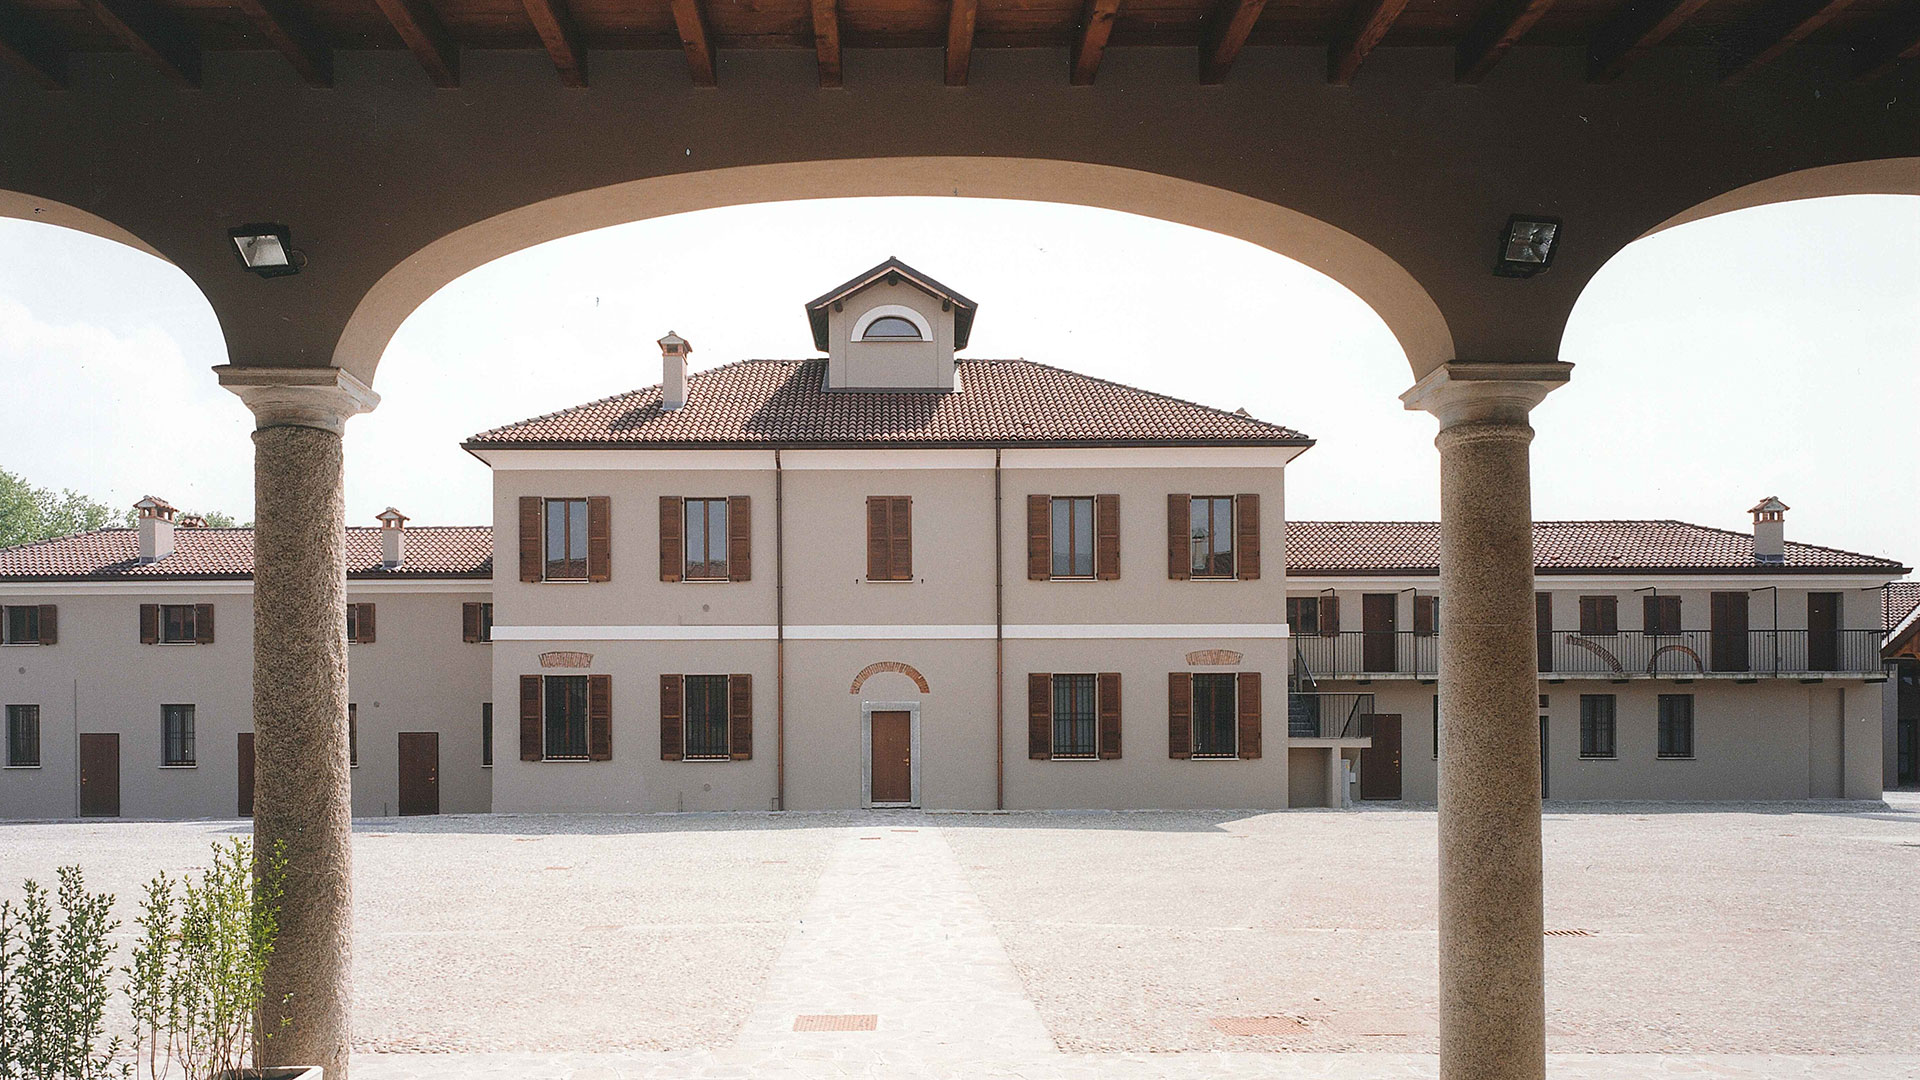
column 1700, row 941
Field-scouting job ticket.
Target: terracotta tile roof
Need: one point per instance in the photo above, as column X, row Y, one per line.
column 1900, row 603
column 768, row 403
column 1333, row 548
column 461, row 551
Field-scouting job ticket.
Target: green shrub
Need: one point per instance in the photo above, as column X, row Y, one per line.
column 54, row 984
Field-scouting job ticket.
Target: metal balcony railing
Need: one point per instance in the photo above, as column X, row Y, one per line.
column 1368, row 654
column 1329, row 716
column 1362, row 654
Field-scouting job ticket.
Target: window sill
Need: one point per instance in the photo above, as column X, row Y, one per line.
column 176, row 643
column 564, row 761
column 26, row 767
column 560, row 581
column 1205, row 579
column 892, row 581
column 1599, row 757
column 188, row 765
column 708, row 581
column 1675, row 757
column 1215, row 757
column 20, row 645
column 486, row 765
column 1076, row 760
column 706, row 760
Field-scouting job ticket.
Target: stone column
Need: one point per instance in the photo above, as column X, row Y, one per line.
column 1492, row 953
column 301, row 788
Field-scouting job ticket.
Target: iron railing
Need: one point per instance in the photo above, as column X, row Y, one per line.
column 1367, row 654
column 1364, row 653
column 1329, row 716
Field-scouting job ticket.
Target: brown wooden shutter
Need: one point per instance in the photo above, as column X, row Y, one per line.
column 1109, row 715
column 1106, row 531
column 470, row 622
column 1425, row 616
column 1039, row 537
column 1249, row 715
column 1246, row 540
column 49, row 624
column 878, row 535
column 900, row 523
column 1039, row 716
column 531, row 728
column 1179, row 541
column 673, row 731
column 740, row 717
column 1329, row 615
column 600, row 717
column 203, row 624
column 599, row 538
column 364, row 624
column 149, row 624
column 673, row 523
column 739, row 538
column 353, row 734
column 531, row 507
column 1179, row 714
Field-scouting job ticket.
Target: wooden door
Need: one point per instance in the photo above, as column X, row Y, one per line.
column 892, row 776
column 1727, row 613
column 1380, row 763
column 1543, row 630
column 100, row 775
column 1543, row 757
column 1823, row 631
column 1379, row 619
column 245, row 772
column 419, row 772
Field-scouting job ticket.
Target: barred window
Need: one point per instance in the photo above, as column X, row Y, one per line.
column 1676, row 725
column 353, row 736
column 707, row 718
column 176, row 722
column 1213, row 716
column 23, row 735
column 566, row 717
column 1596, row 725
column 1074, row 713
column 486, row 734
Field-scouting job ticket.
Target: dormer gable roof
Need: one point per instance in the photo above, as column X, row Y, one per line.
column 963, row 308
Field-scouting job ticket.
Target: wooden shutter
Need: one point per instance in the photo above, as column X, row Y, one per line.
column 1425, row 616
column 739, row 538
column 600, row 717
column 1249, row 695
column 530, row 725
column 673, row 523
column 1330, row 615
column 531, row 549
column 1039, row 716
column 203, row 624
column 878, row 534
column 740, row 717
column 673, row 731
column 900, row 522
column 1106, row 532
column 1179, row 542
column 1246, row 537
column 599, row 538
column 1109, row 683
column 1039, row 537
column 363, row 622
column 149, row 624
column 49, row 624
column 470, row 622
column 1179, row 715
column 1599, row 615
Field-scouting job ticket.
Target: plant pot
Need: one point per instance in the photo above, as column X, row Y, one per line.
column 278, row 1072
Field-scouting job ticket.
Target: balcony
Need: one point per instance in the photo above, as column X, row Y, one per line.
column 1329, row 716
column 1628, row 654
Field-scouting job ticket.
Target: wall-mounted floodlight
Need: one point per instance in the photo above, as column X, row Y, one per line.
column 1527, row 247
column 266, row 249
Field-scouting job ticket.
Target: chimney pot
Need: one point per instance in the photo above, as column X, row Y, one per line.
column 393, row 537
column 673, row 371
column 1770, row 530
column 156, row 518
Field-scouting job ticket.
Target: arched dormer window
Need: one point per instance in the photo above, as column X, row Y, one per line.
column 892, row 328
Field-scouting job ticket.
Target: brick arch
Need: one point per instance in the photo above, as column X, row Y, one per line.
column 908, row 670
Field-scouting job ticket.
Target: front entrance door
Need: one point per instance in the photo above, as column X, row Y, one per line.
column 892, row 775
column 246, row 774
column 419, row 772
column 1823, row 631
column 1379, row 619
column 1380, row 763
column 100, row 775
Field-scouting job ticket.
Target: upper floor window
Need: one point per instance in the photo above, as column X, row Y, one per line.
column 1213, row 537
column 706, row 539
column 1303, row 615
column 176, row 624
column 1073, row 536
column 360, row 624
column 892, row 328
column 476, row 621
column 176, row 722
column 1426, row 615
column 889, row 538
column 566, row 539
column 1599, row 616
column 566, row 547
column 1210, row 535
column 32, row 624
column 1662, row 614
column 23, row 736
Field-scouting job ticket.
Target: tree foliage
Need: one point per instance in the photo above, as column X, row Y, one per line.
column 29, row 513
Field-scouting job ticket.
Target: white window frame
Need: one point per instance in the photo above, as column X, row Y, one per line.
column 875, row 314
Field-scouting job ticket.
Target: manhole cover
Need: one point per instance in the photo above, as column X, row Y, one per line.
column 1257, row 1025
column 836, row 1022
column 1569, row 933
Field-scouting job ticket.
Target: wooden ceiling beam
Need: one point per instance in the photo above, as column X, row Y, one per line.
column 426, row 36
column 1096, row 25
column 1640, row 26
column 697, row 40
column 1350, row 50
column 1885, row 46
column 1500, row 29
column 554, row 24
column 155, row 33
column 960, row 20
column 1809, row 20
column 1227, row 35
column 32, row 48
column 286, row 26
column 826, row 40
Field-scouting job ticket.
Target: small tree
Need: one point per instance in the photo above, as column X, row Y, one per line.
column 53, row 985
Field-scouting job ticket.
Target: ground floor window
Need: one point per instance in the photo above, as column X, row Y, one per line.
column 486, row 734
column 176, row 722
column 566, row 717
column 1596, row 725
column 1213, row 716
column 1074, row 714
column 1676, row 725
column 353, row 736
column 23, row 735
column 707, row 718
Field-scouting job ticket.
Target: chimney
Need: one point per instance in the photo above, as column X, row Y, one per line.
column 393, row 537
column 1770, row 530
column 673, row 371
column 156, row 528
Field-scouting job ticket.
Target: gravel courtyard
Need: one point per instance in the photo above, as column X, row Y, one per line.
column 1698, row 931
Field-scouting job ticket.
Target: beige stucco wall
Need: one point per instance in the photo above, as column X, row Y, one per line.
column 905, row 364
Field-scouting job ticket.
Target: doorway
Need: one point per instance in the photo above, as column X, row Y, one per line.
column 419, row 773
column 1823, row 631
column 892, row 763
column 1379, row 623
column 100, row 775
column 1543, row 757
column 245, row 772
column 1380, row 763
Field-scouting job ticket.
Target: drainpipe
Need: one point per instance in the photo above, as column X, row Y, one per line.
column 999, row 651
column 779, row 636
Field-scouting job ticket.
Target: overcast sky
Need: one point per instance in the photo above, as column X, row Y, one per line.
column 1772, row 351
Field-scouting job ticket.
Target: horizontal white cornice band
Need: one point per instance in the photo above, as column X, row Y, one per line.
column 898, row 632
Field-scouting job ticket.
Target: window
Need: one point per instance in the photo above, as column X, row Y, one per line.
column 891, row 328
column 486, row 734
column 21, row 626
column 176, row 723
column 707, row 718
column 1599, row 616
column 23, row 736
column 566, row 717
column 1213, row 716
column 1663, row 615
column 353, row 736
column 1426, row 615
column 706, row 539
column 1075, row 711
column 178, row 624
column 1436, row 727
column 889, row 538
column 1303, row 615
column 1211, row 535
column 476, row 622
column 566, row 540
column 1596, row 725
column 1676, row 725
column 1073, row 536
column 360, row 624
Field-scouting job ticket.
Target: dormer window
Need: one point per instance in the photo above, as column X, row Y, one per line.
column 892, row 328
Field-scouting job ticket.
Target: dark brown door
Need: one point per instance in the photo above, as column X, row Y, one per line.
column 892, row 758
column 1543, row 757
column 246, row 773
column 1543, row 630
column 1380, row 763
column 1823, row 631
column 1728, row 631
column 419, row 772
column 100, row 775
column 1379, row 618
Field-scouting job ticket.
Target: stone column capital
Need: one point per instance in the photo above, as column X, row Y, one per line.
column 299, row 397
column 1463, row 392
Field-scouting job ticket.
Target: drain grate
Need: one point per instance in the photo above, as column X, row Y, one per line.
column 836, row 1022
column 1257, row 1025
column 1569, row 933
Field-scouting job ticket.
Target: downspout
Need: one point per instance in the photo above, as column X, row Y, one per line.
column 999, row 651
column 779, row 635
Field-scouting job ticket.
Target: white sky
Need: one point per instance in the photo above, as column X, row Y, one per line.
column 1771, row 351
